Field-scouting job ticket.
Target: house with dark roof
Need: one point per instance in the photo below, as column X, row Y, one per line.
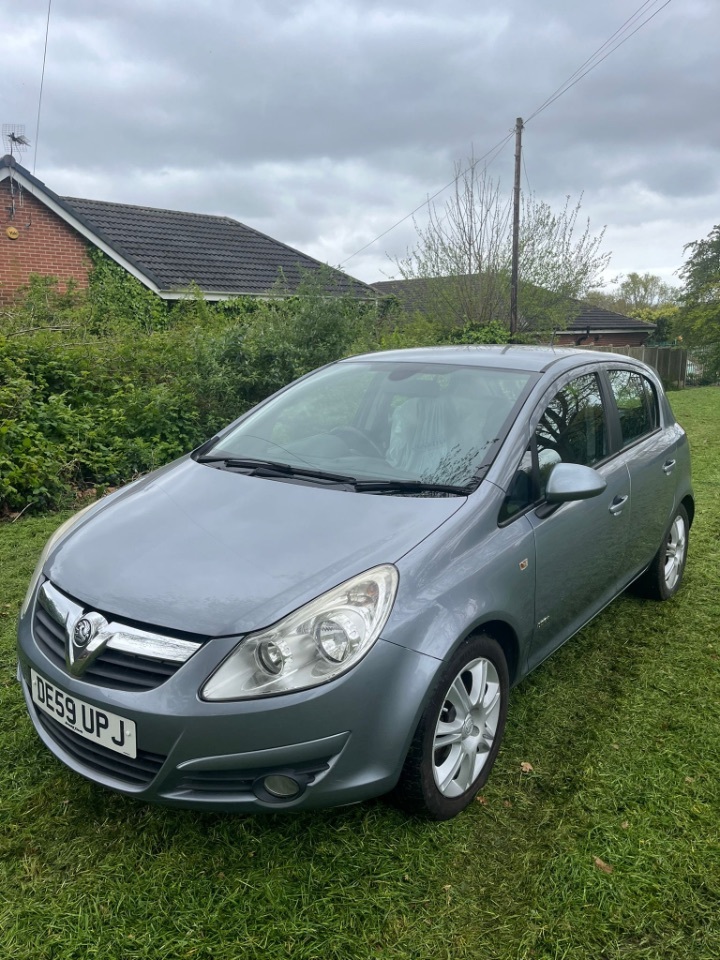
column 605, row 328
column 166, row 250
column 589, row 326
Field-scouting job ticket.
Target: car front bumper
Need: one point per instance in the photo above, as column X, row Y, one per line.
column 341, row 742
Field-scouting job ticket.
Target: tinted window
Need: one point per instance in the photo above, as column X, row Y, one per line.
column 636, row 402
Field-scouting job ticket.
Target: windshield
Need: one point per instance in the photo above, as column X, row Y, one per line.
column 382, row 421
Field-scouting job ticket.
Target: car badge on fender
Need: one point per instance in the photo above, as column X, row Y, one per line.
column 87, row 638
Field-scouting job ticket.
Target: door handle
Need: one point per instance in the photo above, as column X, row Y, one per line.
column 668, row 467
column 617, row 506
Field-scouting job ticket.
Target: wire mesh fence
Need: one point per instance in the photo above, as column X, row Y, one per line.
column 703, row 365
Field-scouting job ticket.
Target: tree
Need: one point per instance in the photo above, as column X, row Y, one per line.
column 644, row 291
column 634, row 293
column 699, row 316
column 664, row 316
column 556, row 265
column 463, row 258
column 460, row 255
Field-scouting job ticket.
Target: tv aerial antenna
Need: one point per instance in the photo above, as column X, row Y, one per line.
column 14, row 138
column 15, row 141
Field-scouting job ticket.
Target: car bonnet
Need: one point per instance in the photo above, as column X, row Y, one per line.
column 213, row 552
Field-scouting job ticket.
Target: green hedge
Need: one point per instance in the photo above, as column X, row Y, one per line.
column 97, row 386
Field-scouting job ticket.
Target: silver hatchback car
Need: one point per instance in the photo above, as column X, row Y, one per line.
column 332, row 598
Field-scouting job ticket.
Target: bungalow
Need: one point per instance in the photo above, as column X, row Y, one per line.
column 590, row 326
column 167, row 250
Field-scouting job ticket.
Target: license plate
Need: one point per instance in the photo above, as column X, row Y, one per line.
column 108, row 729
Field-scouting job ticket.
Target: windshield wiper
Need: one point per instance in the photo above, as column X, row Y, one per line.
column 413, row 486
column 273, row 468
column 276, row 469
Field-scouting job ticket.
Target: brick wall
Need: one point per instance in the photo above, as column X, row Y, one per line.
column 45, row 245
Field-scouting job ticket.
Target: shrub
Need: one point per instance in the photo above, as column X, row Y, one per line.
column 97, row 386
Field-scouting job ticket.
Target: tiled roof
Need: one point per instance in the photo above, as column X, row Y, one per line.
column 413, row 295
column 168, row 249
column 597, row 318
column 219, row 254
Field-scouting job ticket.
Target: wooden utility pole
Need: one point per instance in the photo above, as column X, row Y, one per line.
column 516, row 230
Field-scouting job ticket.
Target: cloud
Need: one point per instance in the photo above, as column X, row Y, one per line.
column 323, row 122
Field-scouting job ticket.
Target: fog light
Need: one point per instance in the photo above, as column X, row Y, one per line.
column 281, row 786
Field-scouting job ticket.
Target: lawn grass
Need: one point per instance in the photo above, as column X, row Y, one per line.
column 609, row 847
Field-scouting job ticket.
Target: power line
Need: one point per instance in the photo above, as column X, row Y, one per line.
column 621, row 35
column 595, row 54
column 577, row 76
column 498, row 147
column 42, row 82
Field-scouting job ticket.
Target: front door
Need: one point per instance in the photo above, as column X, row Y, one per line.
column 580, row 547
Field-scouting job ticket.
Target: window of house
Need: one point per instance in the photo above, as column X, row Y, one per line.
column 637, row 404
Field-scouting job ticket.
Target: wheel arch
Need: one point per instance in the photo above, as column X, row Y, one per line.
column 501, row 631
column 689, row 503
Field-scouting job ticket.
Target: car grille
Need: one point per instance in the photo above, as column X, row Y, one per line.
column 137, row 772
column 113, row 668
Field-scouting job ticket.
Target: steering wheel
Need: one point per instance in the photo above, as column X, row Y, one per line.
column 358, row 441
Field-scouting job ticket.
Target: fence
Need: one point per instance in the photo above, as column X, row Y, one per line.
column 671, row 363
column 703, row 366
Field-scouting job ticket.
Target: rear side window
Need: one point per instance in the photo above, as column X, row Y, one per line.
column 637, row 404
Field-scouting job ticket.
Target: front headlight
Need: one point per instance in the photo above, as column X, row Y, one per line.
column 316, row 643
column 57, row 536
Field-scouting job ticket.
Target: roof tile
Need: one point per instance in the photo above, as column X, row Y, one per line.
column 219, row 254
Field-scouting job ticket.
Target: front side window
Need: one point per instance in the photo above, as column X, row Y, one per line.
column 572, row 429
column 637, row 404
column 522, row 492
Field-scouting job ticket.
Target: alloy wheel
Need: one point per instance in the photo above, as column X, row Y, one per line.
column 466, row 727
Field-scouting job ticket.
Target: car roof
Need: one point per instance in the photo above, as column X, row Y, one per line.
column 509, row 357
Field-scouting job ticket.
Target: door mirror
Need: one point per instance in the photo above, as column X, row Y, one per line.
column 573, row 481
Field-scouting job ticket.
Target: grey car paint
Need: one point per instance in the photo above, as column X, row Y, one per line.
column 358, row 725
column 243, row 575
column 184, row 549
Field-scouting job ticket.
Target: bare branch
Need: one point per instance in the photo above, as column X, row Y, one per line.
column 464, row 255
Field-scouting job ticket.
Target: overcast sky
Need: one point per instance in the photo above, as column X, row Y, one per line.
column 323, row 122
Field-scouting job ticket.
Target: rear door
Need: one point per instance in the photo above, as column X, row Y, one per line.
column 649, row 449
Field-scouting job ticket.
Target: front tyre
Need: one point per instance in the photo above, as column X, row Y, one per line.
column 458, row 736
column 663, row 577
